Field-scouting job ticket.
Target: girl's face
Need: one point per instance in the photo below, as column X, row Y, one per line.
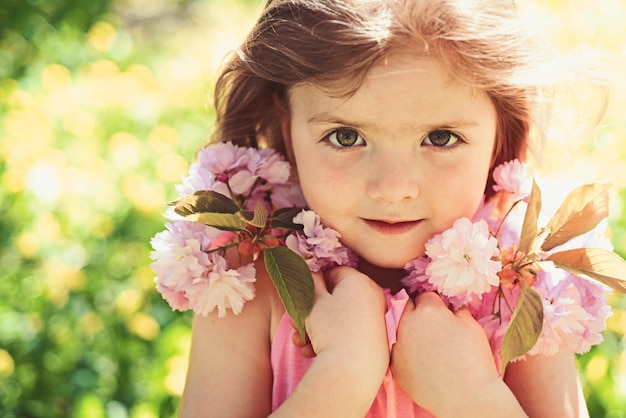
column 397, row 162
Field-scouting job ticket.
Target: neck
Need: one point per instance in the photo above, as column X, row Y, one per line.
column 388, row 278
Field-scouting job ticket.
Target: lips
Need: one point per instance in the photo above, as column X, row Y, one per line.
column 390, row 227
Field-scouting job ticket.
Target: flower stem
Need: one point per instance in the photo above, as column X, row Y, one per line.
column 222, row 248
column 245, row 199
column 506, row 215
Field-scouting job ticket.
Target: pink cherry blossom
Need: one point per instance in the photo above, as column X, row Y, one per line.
column 416, row 281
column 462, row 262
column 243, row 168
column 513, row 176
column 575, row 312
column 179, row 254
column 288, row 195
column 175, row 298
column 223, row 156
column 222, row 288
column 211, row 162
column 319, row 246
column 240, row 182
column 564, row 324
column 188, row 277
column 270, row 166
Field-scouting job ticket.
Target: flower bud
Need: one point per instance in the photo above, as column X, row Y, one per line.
column 222, row 177
column 271, row 241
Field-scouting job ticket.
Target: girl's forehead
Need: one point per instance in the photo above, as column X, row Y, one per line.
column 431, row 69
column 397, row 64
column 392, row 67
column 402, row 91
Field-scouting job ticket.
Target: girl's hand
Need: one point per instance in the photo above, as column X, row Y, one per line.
column 348, row 315
column 347, row 333
column 443, row 361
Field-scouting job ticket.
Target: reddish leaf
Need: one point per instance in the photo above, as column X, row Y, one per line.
column 581, row 211
column 529, row 227
column 596, row 263
column 525, row 326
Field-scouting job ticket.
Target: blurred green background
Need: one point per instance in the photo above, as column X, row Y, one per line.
column 103, row 105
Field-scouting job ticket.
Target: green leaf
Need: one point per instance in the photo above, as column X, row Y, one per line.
column 283, row 218
column 294, row 282
column 525, row 326
column 529, row 227
column 223, row 221
column 596, row 263
column 582, row 209
column 257, row 218
column 211, row 208
column 204, row 201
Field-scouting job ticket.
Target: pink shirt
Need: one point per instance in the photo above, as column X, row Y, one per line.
column 289, row 367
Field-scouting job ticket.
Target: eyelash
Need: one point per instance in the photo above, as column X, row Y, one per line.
column 459, row 140
column 327, row 139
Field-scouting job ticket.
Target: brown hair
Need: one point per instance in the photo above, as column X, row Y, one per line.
column 333, row 43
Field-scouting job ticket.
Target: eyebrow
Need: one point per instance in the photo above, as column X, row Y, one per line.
column 326, row 118
column 330, row 118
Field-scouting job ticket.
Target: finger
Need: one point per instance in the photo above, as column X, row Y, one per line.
column 320, row 284
column 306, row 349
column 336, row 275
column 430, row 303
column 428, row 299
column 465, row 315
column 464, row 312
column 296, row 338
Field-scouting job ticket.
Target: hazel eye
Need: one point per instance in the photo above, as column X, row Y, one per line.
column 345, row 137
column 441, row 139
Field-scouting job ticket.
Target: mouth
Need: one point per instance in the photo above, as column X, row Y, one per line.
column 391, row 227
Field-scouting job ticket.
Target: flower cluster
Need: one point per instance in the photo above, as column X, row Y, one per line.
column 191, row 276
column 478, row 263
column 317, row 245
column 462, row 259
column 249, row 173
column 191, row 255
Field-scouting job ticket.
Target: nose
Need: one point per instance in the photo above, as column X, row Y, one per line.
column 393, row 177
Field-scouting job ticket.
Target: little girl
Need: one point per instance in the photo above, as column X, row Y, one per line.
column 393, row 115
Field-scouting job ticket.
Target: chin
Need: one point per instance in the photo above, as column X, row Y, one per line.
column 391, row 261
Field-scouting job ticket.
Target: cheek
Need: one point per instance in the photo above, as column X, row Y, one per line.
column 325, row 191
column 462, row 191
column 313, row 178
column 319, row 186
